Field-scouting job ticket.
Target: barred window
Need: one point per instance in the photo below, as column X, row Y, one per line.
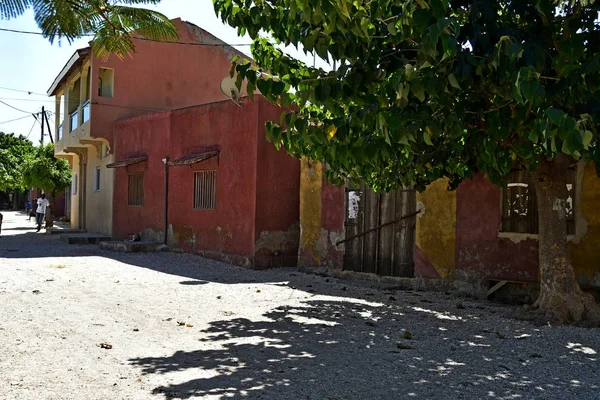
column 205, row 190
column 519, row 202
column 136, row 190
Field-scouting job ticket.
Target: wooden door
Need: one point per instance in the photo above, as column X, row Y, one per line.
column 386, row 251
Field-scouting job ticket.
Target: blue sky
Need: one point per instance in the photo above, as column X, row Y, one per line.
column 30, row 62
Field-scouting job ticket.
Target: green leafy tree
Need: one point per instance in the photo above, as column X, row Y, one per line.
column 43, row 170
column 14, row 150
column 426, row 89
column 110, row 21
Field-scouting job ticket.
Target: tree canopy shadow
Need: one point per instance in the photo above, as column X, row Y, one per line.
column 358, row 349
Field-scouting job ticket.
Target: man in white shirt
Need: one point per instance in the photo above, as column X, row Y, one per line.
column 42, row 204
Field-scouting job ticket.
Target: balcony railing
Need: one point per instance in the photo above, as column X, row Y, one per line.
column 86, row 111
column 74, row 120
column 59, row 132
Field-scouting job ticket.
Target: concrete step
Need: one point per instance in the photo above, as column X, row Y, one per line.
column 84, row 238
column 132, row 247
column 56, row 230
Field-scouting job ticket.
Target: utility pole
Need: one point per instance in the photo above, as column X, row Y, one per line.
column 45, row 116
column 42, row 123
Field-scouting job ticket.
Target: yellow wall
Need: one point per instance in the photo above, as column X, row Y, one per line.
column 311, row 181
column 586, row 254
column 75, row 198
column 436, row 235
column 99, row 205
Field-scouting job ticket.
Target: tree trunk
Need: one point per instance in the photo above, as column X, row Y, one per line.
column 50, row 212
column 15, row 203
column 561, row 299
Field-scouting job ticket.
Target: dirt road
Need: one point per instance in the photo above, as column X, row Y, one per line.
column 182, row 327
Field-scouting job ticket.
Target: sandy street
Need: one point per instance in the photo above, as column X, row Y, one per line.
column 179, row 327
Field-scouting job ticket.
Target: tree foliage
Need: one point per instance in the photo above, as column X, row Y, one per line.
column 14, row 151
column 110, row 21
column 427, row 88
column 43, row 170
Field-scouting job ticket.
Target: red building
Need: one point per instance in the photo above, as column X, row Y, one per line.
column 231, row 195
column 92, row 93
column 480, row 233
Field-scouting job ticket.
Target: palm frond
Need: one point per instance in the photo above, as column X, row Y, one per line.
column 13, row 8
column 112, row 23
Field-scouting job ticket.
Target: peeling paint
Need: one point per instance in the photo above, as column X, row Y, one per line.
column 517, row 238
column 279, row 241
column 436, row 234
column 421, row 207
column 353, row 204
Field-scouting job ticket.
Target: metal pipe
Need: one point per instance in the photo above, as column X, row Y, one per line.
column 378, row 227
column 166, row 194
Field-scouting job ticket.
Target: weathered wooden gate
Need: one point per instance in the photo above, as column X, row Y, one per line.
column 387, row 250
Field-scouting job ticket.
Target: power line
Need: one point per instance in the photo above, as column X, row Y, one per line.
column 29, row 92
column 139, row 38
column 27, row 32
column 16, row 119
column 32, row 126
column 15, row 108
column 17, row 99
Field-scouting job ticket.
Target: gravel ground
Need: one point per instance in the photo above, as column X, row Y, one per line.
column 185, row 327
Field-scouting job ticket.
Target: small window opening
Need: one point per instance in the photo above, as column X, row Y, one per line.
column 205, row 190
column 106, row 78
column 519, row 202
column 136, row 190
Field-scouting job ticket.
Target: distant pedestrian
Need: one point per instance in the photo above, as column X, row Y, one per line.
column 42, row 204
column 27, row 208
column 33, row 208
column 1, row 217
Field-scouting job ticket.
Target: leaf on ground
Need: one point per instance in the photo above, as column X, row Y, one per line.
column 107, row 346
column 36, row 291
column 136, row 330
column 219, row 297
column 61, row 266
column 168, row 319
column 189, row 325
column 258, row 291
column 407, row 335
column 50, row 280
column 180, row 323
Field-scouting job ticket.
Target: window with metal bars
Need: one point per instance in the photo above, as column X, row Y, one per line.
column 205, row 190
column 519, row 202
column 136, row 190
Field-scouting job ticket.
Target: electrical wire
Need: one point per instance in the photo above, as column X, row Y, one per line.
column 16, row 119
column 139, row 38
column 15, row 108
column 32, row 126
column 17, row 99
column 29, row 92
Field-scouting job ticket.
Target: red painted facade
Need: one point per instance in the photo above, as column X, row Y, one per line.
column 480, row 253
column 256, row 218
column 161, row 76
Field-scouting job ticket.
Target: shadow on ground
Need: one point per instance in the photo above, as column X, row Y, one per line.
column 353, row 349
column 351, row 341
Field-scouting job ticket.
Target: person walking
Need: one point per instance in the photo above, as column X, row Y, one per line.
column 33, row 208
column 42, row 204
column 27, row 209
column 1, row 218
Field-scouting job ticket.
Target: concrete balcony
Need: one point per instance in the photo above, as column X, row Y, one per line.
column 71, row 138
